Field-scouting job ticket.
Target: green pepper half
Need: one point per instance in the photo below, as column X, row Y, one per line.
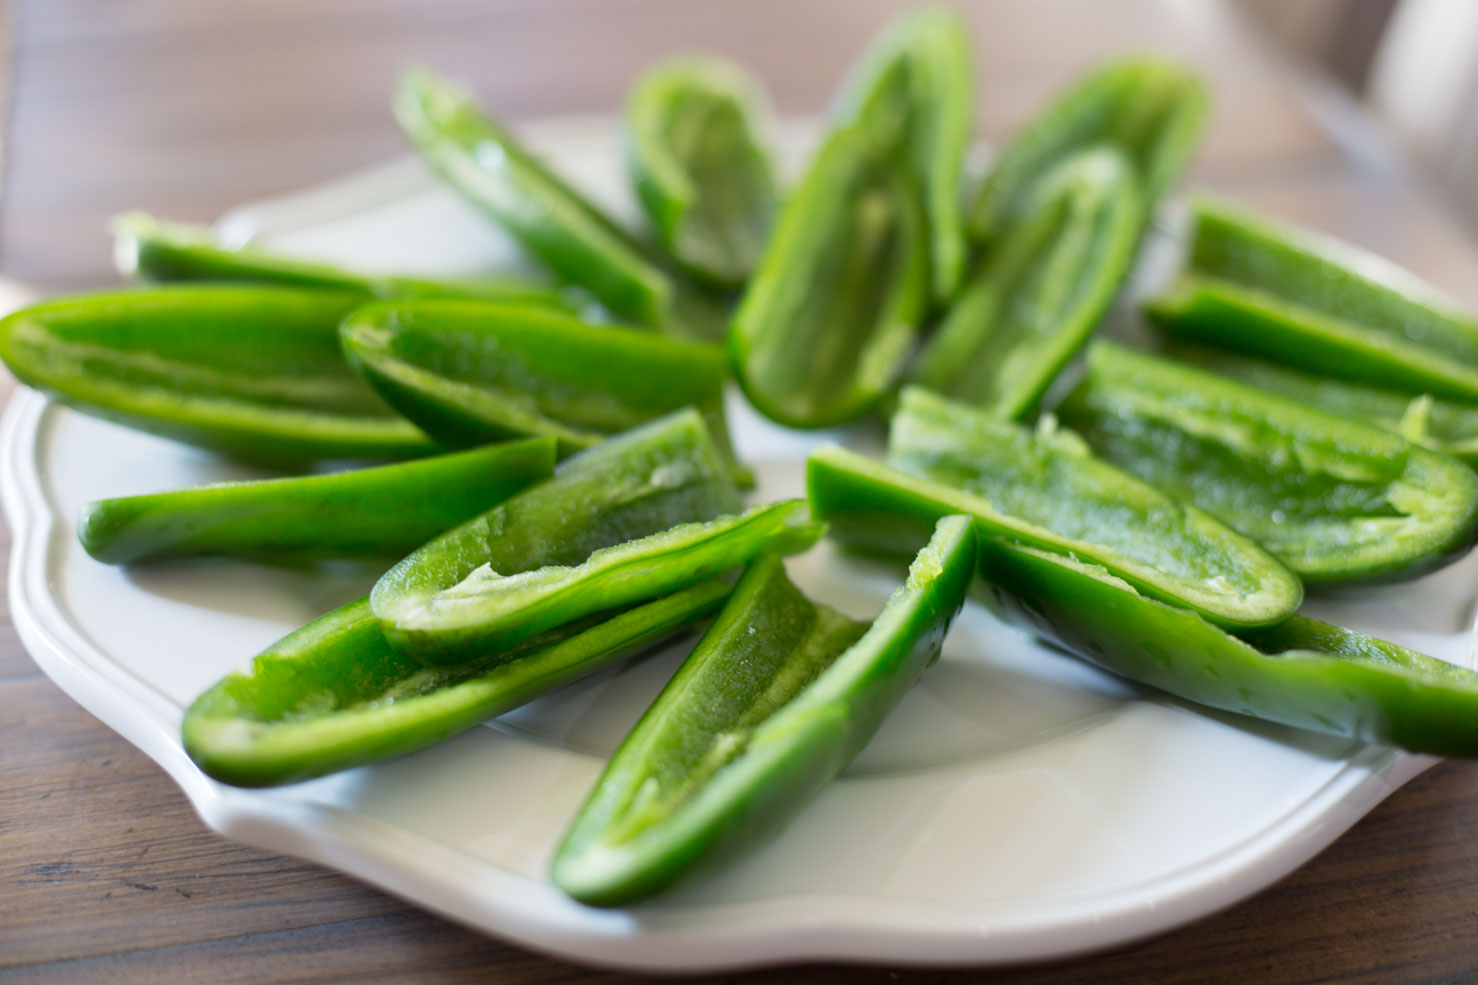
column 485, row 163
column 469, row 372
column 1336, row 499
column 776, row 699
column 1302, row 672
column 1302, row 300
column 830, row 317
column 335, row 694
column 911, row 93
column 1041, row 291
column 643, row 482
column 252, row 371
column 1044, row 488
column 1441, row 425
column 1150, row 109
column 695, row 131
column 172, row 251
column 379, row 512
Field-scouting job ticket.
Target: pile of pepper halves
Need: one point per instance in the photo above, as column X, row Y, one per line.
column 566, row 494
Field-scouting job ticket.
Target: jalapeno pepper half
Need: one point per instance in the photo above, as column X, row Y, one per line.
column 1044, row 488
column 776, row 699
column 252, row 371
column 1299, row 299
column 1302, row 673
column 1336, row 499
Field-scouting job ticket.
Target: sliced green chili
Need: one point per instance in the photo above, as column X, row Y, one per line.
column 253, row 371
column 484, row 162
column 912, row 92
column 1043, row 487
column 469, row 372
column 1042, row 290
column 777, row 698
column 379, row 512
column 830, row 317
column 1441, row 425
column 1302, row 673
column 1288, row 295
column 696, row 129
column 170, row 251
column 1336, row 499
column 335, row 694
column 1151, row 110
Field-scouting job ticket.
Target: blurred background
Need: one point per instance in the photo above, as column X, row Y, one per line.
column 186, row 108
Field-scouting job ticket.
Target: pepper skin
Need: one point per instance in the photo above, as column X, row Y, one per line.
column 1316, row 304
column 776, row 699
column 829, row 319
column 697, row 132
column 155, row 250
column 335, row 695
column 1302, row 673
column 1044, row 488
column 1039, row 293
column 255, row 372
column 378, row 512
column 1336, row 499
column 1151, row 110
column 911, row 93
column 468, row 372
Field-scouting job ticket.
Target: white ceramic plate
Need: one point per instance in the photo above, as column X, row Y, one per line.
column 1019, row 805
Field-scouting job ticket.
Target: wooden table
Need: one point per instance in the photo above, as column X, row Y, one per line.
column 185, row 108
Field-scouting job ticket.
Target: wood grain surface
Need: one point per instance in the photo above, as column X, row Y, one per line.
column 187, row 108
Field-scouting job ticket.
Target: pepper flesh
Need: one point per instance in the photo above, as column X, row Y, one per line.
column 156, row 250
column 1043, row 488
column 252, row 371
column 910, row 92
column 385, row 511
column 1150, row 109
column 1441, row 425
column 1310, row 302
column 831, row 314
column 1302, row 673
column 695, row 136
column 776, row 699
column 469, row 372
column 1336, row 499
column 335, row 694
column 1041, row 291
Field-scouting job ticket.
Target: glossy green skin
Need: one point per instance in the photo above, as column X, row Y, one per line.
column 830, row 317
column 378, row 512
column 1441, row 425
column 911, row 92
column 1284, row 294
column 1302, row 673
column 255, row 372
column 702, row 171
column 335, row 694
column 1044, row 488
column 468, row 372
column 170, row 251
column 636, row 484
column 776, row 699
column 1151, row 110
column 1039, row 294
column 486, row 164
column 1336, row 499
